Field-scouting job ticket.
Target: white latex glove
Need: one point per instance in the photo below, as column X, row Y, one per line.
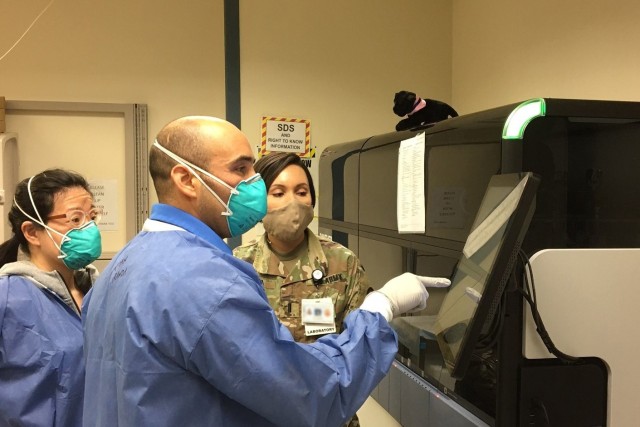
column 402, row 294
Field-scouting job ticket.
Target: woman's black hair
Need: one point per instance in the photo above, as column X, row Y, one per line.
column 272, row 164
column 44, row 187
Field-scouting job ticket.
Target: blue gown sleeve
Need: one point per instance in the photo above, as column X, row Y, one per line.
column 265, row 370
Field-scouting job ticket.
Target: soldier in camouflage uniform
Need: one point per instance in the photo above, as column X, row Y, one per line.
column 288, row 282
column 288, row 253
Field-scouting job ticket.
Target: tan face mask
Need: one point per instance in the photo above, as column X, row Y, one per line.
column 288, row 222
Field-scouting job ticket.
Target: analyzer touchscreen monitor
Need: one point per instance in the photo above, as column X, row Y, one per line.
column 466, row 319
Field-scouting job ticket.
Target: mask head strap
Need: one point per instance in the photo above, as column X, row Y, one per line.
column 39, row 220
column 192, row 168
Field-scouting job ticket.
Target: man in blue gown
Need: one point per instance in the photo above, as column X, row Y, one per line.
column 178, row 332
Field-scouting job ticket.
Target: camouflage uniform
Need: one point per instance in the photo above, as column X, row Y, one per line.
column 344, row 281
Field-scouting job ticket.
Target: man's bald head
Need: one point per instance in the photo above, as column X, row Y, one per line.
column 195, row 139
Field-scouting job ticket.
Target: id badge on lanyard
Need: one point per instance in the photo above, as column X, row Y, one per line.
column 318, row 316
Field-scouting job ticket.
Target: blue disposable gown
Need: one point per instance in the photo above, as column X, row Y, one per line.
column 178, row 332
column 41, row 364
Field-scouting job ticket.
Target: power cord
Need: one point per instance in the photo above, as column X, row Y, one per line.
column 489, row 339
column 528, row 291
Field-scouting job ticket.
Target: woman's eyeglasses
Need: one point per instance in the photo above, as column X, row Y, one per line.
column 78, row 218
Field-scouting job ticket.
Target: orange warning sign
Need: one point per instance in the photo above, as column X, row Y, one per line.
column 286, row 135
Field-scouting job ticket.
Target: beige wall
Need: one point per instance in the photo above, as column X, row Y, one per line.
column 339, row 63
column 505, row 52
column 154, row 52
column 335, row 63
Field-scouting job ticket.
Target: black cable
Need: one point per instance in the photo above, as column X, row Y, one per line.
column 529, row 294
column 529, row 278
column 490, row 339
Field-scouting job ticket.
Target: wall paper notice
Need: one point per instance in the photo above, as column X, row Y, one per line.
column 106, row 197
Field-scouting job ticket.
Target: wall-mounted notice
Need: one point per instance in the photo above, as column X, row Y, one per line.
column 288, row 135
column 105, row 197
column 411, row 198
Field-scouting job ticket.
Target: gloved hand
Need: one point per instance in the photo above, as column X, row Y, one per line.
column 402, row 294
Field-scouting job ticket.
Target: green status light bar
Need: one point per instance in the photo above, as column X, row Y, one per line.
column 521, row 116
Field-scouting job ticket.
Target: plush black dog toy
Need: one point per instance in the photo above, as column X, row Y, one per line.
column 419, row 111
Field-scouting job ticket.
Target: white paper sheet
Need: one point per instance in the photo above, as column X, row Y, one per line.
column 411, row 196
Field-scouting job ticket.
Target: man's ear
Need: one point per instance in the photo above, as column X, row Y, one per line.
column 29, row 230
column 184, row 181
